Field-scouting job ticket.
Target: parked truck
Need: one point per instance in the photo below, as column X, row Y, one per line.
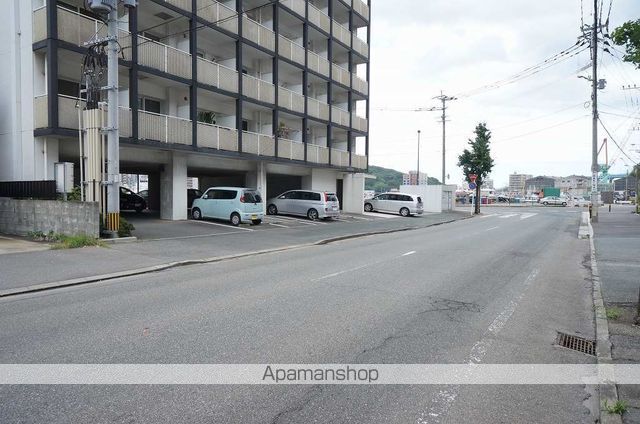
column 550, row 191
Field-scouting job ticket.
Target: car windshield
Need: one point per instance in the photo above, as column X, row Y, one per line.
column 252, row 197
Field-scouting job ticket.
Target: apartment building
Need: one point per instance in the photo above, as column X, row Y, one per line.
column 267, row 94
column 412, row 178
column 517, row 182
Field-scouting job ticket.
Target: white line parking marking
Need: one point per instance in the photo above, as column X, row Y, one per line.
column 409, row 253
column 190, row 237
column 381, row 215
column 278, row 225
column 527, row 215
column 490, row 215
column 222, row 225
column 509, row 215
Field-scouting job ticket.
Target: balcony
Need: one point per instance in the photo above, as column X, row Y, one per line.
column 317, row 109
column 290, row 149
column 164, row 128
column 339, row 158
column 341, row 33
column 290, row 100
column 341, row 75
column 317, row 63
column 216, row 75
column 319, row 18
column 361, row 8
column 358, row 123
column 339, row 116
column 258, row 33
column 290, row 50
column 217, row 137
column 258, row 89
column 317, row 154
column 360, row 46
column 39, row 20
column 358, row 161
column 41, row 111
column 360, row 85
column 164, row 58
column 258, row 144
column 297, row 6
column 218, row 14
column 182, row 4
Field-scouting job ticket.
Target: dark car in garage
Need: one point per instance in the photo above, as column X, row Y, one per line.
column 192, row 194
column 130, row 201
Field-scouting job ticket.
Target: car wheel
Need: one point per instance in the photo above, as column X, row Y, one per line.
column 312, row 214
column 139, row 209
column 545, row 203
column 404, row 212
column 256, row 221
column 272, row 210
column 196, row 214
column 368, row 207
column 564, row 203
column 235, row 219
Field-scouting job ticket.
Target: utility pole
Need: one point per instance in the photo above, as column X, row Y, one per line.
column 594, row 104
column 444, row 99
column 113, row 133
column 418, row 170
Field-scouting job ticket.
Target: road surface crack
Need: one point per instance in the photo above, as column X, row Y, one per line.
column 313, row 393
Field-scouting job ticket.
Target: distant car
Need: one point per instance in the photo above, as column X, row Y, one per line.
column 580, row 202
column 401, row 203
column 131, row 201
column 192, row 194
column 553, row 201
column 310, row 203
column 236, row 204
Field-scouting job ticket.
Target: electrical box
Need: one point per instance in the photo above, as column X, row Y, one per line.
column 102, row 6
column 64, row 177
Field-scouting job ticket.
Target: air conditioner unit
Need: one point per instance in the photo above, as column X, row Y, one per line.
column 102, row 6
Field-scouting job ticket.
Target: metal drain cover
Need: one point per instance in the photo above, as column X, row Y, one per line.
column 576, row 343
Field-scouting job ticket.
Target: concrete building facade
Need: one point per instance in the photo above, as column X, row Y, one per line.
column 271, row 95
column 412, row 178
column 517, row 182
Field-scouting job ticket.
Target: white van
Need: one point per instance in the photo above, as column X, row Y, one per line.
column 404, row 204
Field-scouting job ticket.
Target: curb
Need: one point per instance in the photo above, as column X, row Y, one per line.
column 607, row 393
column 186, row 262
column 119, row 240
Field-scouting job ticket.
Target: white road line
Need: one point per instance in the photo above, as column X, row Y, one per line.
column 509, row 215
column 278, row 225
column 301, row 221
column 409, row 253
column 381, row 215
column 527, row 215
column 222, row 225
column 490, row 215
column 335, row 274
column 492, row 228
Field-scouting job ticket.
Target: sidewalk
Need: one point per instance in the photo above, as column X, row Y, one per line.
column 617, row 243
column 18, row 269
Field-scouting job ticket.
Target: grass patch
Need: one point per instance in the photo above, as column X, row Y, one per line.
column 614, row 313
column 619, row 408
column 61, row 241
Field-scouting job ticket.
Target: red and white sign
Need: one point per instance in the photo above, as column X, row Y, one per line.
column 472, row 177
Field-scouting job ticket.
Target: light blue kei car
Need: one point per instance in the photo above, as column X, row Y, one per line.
column 233, row 204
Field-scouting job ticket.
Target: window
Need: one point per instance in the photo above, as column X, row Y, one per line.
column 68, row 88
column 331, row 197
column 393, row 197
column 315, row 196
column 149, row 105
column 245, row 125
column 227, row 194
column 252, row 197
column 382, row 197
column 295, row 195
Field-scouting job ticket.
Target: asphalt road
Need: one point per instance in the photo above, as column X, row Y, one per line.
column 366, row 300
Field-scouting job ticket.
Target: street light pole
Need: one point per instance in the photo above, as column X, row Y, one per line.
column 418, row 170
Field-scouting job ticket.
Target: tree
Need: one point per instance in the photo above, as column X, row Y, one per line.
column 478, row 159
column 628, row 35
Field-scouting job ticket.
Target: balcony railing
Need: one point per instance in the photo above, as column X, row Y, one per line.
column 164, row 58
column 291, row 50
column 39, row 21
column 164, row 128
column 182, row 4
column 290, row 100
column 297, row 6
column 360, row 46
column 358, row 123
column 339, row 116
column 360, row 85
column 218, row 14
column 341, row 33
column 317, row 108
column 317, row 63
column 217, row 137
column 340, row 74
column 258, row 144
column 319, row 18
column 317, row 154
column 289, row 149
column 258, row 89
column 258, row 33
column 217, row 75
column 358, row 161
column 41, row 111
column 360, row 7
column 339, row 157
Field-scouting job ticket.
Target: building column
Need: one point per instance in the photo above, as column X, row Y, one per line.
column 258, row 179
column 45, row 156
column 173, row 188
column 353, row 193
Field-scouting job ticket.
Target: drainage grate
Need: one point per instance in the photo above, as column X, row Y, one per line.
column 576, row 343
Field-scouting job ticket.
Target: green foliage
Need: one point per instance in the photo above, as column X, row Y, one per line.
column 628, row 35
column 74, row 196
column 387, row 179
column 477, row 160
column 62, row 241
column 125, row 228
column 207, row 117
column 620, row 407
column 49, row 237
column 613, row 313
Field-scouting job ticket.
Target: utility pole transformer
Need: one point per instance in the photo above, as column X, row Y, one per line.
column 594, row 104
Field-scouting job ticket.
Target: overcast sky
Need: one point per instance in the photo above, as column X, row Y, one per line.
column 420, row 47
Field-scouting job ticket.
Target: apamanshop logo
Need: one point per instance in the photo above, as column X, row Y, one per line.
column 320, row 375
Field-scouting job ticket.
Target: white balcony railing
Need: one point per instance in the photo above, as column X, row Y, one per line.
column 41, row 111
column 217, row 137
column 258, row 33
column 218, row 14
column 339, row 158
column 317, row 154
column 258, row 144
column 339, row 116
column 360, row 7
column 319, row 18
column 290, row 149
column 258, row 89
column 68, row 114
column 317, row 63
column 291, row 50
column 290, row 100
column 358, row 161
column 360, row 85
column 340, row 74
column 317, row 109
column 297, row 6
column 341, row 33
column 163, row 57
column 217, row 75
column 358, row 123
column 360, row 46
column 164, row 128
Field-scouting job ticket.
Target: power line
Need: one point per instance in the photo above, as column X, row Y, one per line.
column 615, row 142
column 541, row 129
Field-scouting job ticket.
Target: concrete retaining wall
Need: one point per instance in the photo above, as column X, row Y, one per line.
column 22, row 216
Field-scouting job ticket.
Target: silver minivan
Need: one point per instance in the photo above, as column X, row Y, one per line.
column 236, row 204
column 312, row 204
column 402, row 203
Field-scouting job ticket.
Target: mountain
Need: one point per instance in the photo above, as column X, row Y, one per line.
column 387, row 179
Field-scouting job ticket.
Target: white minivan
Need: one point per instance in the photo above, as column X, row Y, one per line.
column 235, row 204
column 404, row 204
